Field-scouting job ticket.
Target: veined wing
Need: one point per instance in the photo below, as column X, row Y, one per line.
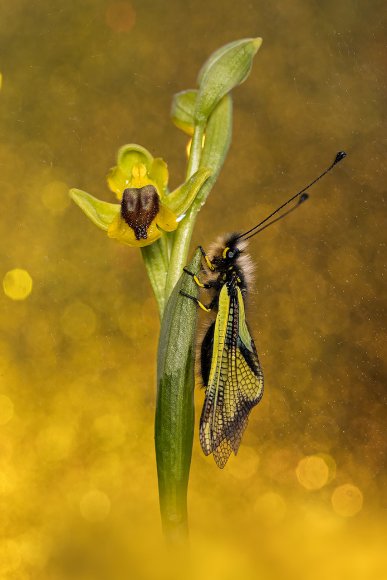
column 235, row 381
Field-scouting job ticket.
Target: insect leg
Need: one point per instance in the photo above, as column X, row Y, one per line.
column 207, row 259
column 206, row 308
column 197, row 281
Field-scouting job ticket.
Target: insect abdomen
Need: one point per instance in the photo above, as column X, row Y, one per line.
column 206, row 353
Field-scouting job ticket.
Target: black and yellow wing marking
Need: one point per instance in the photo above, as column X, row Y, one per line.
column 232, row 376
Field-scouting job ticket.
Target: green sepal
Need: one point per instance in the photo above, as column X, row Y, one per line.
column 174, row 426
column 131, row 154
column 228, row 67
column 120, row 176
column 183, row 110
column 100, row 212
column 181, row 198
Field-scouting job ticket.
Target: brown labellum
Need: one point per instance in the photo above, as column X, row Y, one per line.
column 139, row 207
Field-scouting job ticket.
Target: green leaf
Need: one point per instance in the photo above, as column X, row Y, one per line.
column 183, row 110
column 228, row 67
column 100, row 212
column 181, row 198
column 174, row 425
column 216, row 145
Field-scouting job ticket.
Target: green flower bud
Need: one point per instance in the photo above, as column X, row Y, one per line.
column 225, row 69
column 183, row 111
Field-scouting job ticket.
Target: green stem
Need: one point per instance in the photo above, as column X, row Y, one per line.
column 213, row 154
column 196, row 150
column 182, row 237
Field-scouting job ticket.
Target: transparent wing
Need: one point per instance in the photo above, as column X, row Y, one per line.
column 235, row 383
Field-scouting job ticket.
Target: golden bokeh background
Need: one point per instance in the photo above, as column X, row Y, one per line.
column 306, row 497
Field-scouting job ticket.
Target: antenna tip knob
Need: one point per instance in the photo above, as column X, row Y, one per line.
column 303, row 198
column 340, row 155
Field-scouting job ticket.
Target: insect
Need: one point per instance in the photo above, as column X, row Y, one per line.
column 230, row 369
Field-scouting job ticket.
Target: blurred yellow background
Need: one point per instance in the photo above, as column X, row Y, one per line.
column 306, row 497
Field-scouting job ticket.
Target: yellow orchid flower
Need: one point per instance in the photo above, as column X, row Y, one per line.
column 146, row 209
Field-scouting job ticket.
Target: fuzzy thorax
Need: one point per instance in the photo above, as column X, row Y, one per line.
column 242, row 261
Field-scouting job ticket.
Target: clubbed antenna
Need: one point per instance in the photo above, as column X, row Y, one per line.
column 301, row 195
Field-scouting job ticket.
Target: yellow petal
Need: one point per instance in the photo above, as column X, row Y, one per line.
column 153, row 234
column 158, row 172
column 166, row 219
column 119, row 230
column 117, row 181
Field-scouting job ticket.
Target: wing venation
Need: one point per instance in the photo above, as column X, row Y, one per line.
column 235, row 381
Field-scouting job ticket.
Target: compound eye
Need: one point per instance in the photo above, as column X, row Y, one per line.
column 230, row 254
